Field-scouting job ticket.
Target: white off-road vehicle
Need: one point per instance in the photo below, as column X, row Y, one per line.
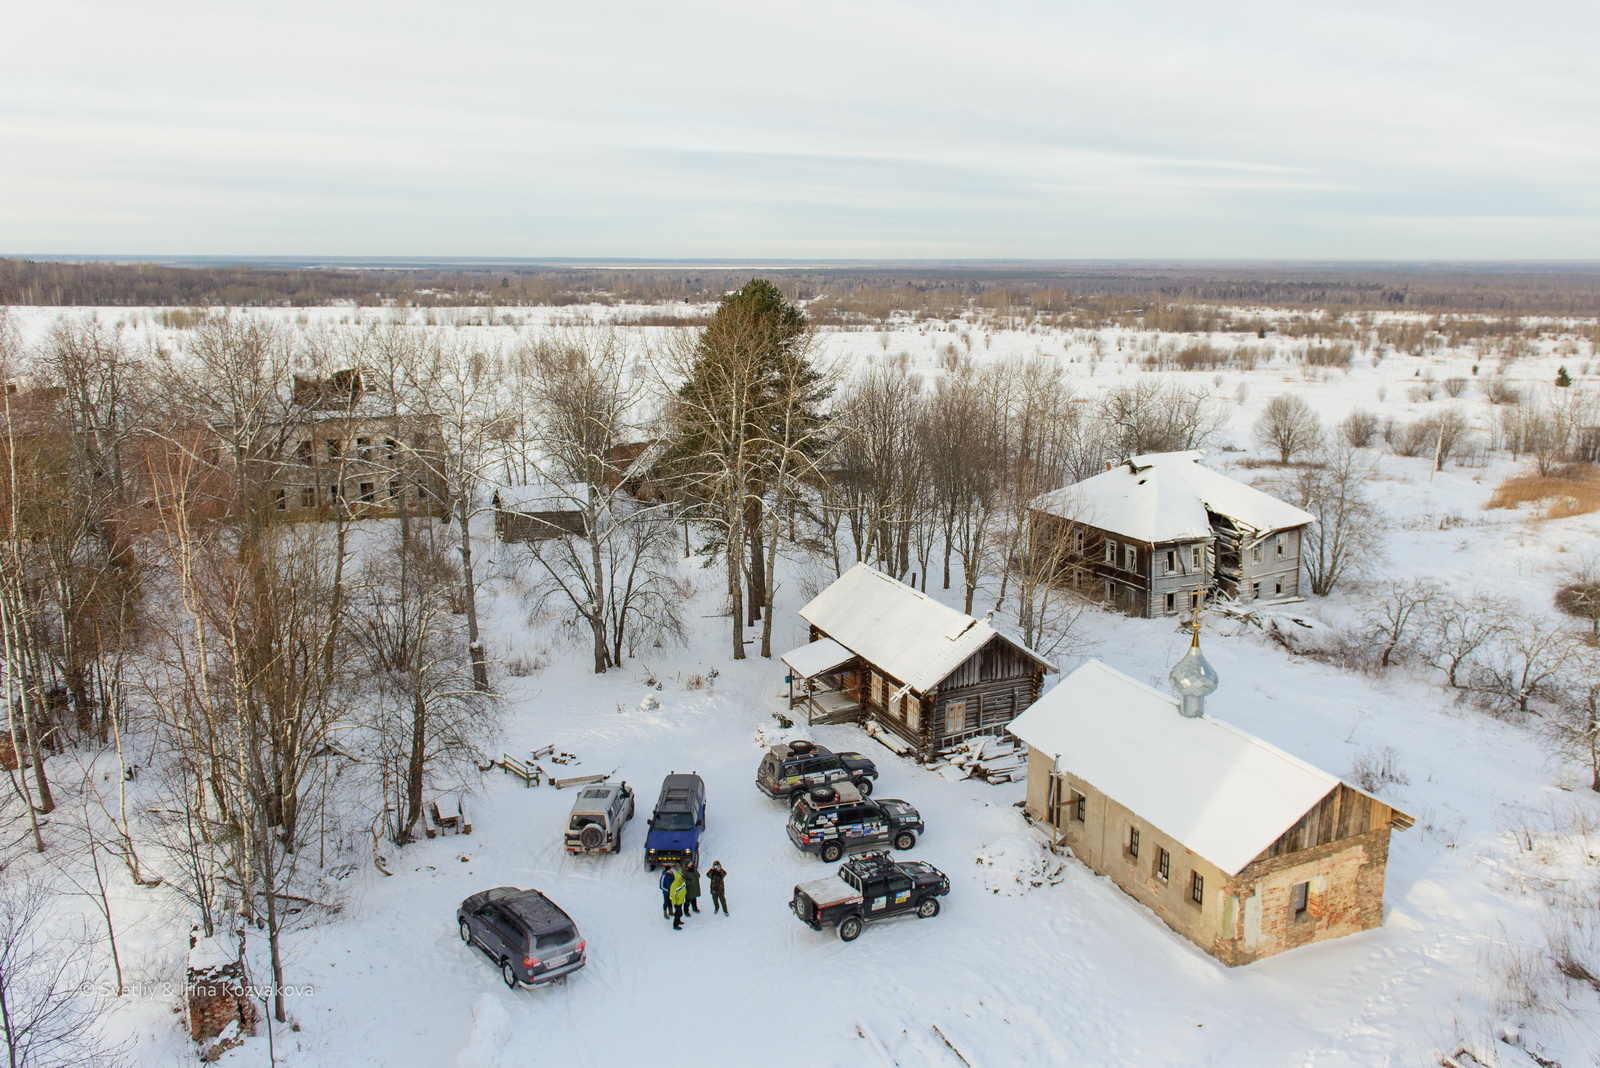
column 599, row 813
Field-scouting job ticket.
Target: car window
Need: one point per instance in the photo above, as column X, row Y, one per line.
column 829, row 763
column 555, row 938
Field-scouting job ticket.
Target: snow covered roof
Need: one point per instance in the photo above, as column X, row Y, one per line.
column 1222, row 792
column 808, row 661
column 903, row 632
column 1164, row 496
column 540, row 495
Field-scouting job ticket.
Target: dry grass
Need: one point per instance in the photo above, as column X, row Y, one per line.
column 1573, row 491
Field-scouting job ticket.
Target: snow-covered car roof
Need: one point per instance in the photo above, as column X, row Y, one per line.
column 1218, row 790
column 1164, row 496
column 899, row 630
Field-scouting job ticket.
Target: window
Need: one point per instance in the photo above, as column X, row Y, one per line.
column 1172, row 602
column 1133, row 841
column 1172, row 560
column 913, row 712
column 1163, row 864
column 1300, row 901
column 393, row 448
column 876, row 689
column 955, row 716
column 308, row 497
column 1197, row 888
column 1199, row 556
column 303, row 452
column 283, row 501
column 1277, row 588
column 1111, row 552
column 394, row 487
column 1130, row 558
column 1283, row 543
column 1077, row 806
column 368, row 492
column 1255, row 554
column 335, row 493
column 1077, row 541
column 1255, row 591
column 364, row 447
column 333, row 449
column 1111, row 590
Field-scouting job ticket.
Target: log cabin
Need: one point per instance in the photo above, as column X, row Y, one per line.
column 925, row 672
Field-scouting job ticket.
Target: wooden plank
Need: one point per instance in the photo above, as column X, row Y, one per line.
column 578, row 780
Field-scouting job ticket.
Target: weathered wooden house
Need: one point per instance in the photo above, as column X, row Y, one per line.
column 1240, row 847
column 538, row 511
column 1155, row 533
column 929, row 674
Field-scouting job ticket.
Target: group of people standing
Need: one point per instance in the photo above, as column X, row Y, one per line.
column 680, row 891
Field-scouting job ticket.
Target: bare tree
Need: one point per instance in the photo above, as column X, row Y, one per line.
column 1457, row 629
column 1398, row 619
column 1524, row 666
column 1288, row 425
column 1348, row 534
column 1359, row 428
column 48, row 1017
column 1151, row 415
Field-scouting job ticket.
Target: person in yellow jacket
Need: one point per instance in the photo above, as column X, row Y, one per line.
column 677, row 893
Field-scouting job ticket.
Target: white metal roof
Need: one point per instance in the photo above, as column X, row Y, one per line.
column 1220, row 791
column 824, row 654
column 1161, row 497
column 903, row 632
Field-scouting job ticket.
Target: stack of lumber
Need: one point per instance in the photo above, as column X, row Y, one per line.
column 986, row 757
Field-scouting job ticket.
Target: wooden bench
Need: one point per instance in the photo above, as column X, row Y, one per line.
column 529, row 774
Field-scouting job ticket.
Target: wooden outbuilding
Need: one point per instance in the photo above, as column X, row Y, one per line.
column 926, row 672
column 1240, row 847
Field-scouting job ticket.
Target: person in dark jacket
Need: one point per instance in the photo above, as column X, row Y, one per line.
column 691, row 883
column 717, row 876
column 666, row 892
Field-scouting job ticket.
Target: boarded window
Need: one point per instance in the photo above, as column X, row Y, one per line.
column 912, row 708
column 1300, row 901
column 877, row 689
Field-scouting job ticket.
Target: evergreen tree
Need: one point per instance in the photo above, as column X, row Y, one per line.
column 745, row 421
column 1563, row 380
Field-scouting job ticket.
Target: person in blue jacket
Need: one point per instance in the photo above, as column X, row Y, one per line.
column 665, row 883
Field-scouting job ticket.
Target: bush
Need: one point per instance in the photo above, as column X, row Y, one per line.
column 1455, row 386
column 1359, row 428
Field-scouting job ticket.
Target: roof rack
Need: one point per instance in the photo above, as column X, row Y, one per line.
column 877, row 862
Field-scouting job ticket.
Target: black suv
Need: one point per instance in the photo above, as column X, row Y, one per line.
column 832, row 819
column 791, row 768
column 869, row 887
column 525, row 933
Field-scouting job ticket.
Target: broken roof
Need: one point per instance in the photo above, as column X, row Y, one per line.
column 1220, row 791
column 1164, row 496
column 902, row 632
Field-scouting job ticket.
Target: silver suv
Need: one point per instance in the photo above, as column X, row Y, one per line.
column 599, row 813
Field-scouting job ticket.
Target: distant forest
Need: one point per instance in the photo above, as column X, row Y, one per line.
column 836, row 295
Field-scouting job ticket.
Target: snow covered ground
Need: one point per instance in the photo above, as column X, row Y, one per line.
column 1069, row 971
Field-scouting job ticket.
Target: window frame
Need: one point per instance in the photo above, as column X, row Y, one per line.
column 1111, row 552
column 1197, row 888
column 1163, row 865
column 1172, row 561
column 1300, row 901
column 1077, row 806
column 1132, row 845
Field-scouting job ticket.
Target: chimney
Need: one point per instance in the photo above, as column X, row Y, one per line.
column 1109, row 465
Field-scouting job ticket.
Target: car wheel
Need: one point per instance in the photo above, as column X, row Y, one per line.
column 466, row 933
column 850, row 928
column 864, row 784
column 905, row 840
column 616, row 847
column 832, row 852
column 796, row 797
column 929, row 908
column 509, row 974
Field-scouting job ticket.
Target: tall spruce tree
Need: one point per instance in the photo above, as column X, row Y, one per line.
column 745, row 421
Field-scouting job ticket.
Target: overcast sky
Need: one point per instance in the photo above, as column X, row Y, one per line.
column 863, row 129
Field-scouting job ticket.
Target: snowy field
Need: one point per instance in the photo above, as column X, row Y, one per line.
column 1033, row 960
